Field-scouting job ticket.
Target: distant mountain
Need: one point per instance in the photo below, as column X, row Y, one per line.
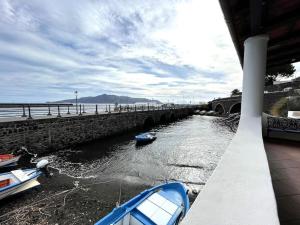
column 109, row 99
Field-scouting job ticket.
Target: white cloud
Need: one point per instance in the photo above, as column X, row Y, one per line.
column 160, row 49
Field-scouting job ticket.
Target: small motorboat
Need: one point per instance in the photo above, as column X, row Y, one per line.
column 7, row 160
column 145, row 138
column 164, row 204
column 21, row 180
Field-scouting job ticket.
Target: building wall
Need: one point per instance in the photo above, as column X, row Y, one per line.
column 40, row 135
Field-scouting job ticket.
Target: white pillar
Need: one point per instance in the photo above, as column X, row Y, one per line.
column 255, row 55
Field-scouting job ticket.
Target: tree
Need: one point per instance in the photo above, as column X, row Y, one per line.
column 283, row 71
column 235, row 92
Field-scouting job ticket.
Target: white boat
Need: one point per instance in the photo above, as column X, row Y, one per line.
column 12, row 159
column 20, row 180
column 9, row 160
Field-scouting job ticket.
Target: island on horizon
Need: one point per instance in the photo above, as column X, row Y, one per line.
column 109, row 99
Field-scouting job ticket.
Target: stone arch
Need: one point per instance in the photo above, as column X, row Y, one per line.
column 149, row 122
column 163, row 119
column 172, row 117
column 235, row 108
column 219, row 109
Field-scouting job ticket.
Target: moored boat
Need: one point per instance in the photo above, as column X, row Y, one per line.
column 7, row 160
column 164, row 204
column 20, row 180
column 145, row 138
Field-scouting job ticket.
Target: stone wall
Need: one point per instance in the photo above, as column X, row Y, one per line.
column 279, row 87
column 49, row 134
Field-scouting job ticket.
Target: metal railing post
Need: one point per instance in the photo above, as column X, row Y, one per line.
column 24, row 114
column 29, row 113
column 120, row 110
column 58, row 111
column 68, row 110
column 49, row 111
column 96, row 112
column 135, row 108
column 83, row 111
column 80, row 114
column 108, row 108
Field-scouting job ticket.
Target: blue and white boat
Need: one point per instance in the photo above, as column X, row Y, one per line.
column 145, row 138
column 20, row 180
column 165, row 204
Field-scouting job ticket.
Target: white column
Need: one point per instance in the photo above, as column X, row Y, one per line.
column 255, row 55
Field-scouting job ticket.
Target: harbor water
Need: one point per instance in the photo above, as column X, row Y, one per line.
column 89, row 180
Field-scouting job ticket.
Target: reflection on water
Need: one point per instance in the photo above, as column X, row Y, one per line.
column 187, row 150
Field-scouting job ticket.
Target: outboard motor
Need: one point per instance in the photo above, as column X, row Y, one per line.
column 20, row 151
column 43, row 166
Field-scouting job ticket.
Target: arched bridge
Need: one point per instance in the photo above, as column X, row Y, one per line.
column 226, row 106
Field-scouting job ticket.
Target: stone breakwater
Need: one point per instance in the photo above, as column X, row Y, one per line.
column 50, row 134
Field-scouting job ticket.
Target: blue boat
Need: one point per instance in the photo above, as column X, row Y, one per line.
column 20, row 180
column 164, row 204
column 145, row 138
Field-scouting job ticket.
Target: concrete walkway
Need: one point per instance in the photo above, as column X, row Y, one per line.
column 284, row 162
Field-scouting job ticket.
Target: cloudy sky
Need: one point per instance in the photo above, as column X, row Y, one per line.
column 176, row 50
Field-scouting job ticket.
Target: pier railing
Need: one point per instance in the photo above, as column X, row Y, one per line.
column 37, row 110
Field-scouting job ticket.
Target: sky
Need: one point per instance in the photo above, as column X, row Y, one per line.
column 170, row 50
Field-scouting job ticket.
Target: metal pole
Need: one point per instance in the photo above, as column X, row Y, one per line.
column 96, row 110
column 80, row 110
column 49, row 112
column 29, row 113
column 76, row 102
column 68, row 110
column 108, row 108
column 58, row 111
column 120, row 108
column 135, row 108
column 24, row 114
column 83, row 108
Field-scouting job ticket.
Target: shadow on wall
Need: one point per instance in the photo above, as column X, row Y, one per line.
column 236, row 108
column 219, row 109
column 148, row 123
column 163, row 119
column 172, row 118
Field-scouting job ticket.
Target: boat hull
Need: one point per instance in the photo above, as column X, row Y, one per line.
column 10, row 162
column 28, row 182
column 165, row 204
column 145, row 138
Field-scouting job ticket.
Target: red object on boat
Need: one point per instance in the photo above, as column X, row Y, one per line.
column 6, row 157
column 4, row 183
